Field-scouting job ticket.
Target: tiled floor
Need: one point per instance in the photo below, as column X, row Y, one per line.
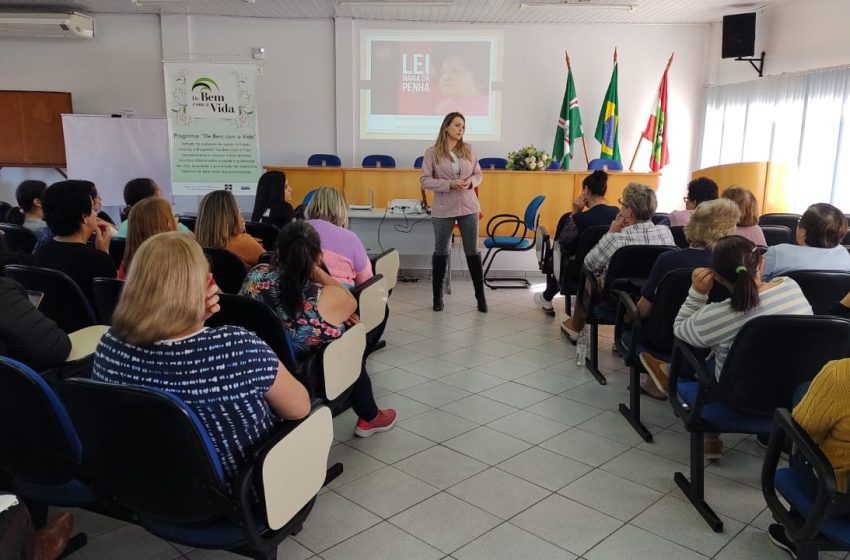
column 504, row 449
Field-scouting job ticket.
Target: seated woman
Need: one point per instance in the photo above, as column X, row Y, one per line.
column 701, row 189
column 103, row 219
column 29, row 212
column 26, row 334
column 819, row 235
column 229, row 377
column 70, row 212
column 150, row 216
column 315, row 309
column 736, row 265
column 273, row 202
column 633, row 226
column 748, row 223
column 135, row 191
column 592, row 197
column 220, row 226
column 342, row 251
column 824, row 413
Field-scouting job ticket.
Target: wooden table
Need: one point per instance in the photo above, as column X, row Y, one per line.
column 501, row 192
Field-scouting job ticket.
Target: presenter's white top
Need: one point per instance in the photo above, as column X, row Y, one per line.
column 437, row 176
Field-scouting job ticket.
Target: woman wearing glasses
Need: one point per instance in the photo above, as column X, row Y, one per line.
column 699, row 190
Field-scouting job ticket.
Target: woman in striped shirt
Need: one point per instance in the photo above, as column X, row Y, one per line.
column 737, row 265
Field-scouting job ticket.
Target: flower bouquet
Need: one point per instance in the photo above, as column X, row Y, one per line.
column 529, row 159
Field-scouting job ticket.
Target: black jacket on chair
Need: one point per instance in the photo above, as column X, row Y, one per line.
column 25, row 333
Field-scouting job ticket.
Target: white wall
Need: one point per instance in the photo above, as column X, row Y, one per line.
column 797, row 35
column 119, row 69
column 534, row 76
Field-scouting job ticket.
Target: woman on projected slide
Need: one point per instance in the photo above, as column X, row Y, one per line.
column 460, row 89
column 450, row 169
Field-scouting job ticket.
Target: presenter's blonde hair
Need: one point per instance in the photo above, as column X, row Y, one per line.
column 219, row 220
column 165, row 291
column 328, row 205
column 441, row 146
column 712, row 220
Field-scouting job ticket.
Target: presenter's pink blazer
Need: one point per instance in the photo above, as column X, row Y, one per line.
column 437, row 176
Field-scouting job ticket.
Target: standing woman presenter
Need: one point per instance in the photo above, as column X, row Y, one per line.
column 450, row 169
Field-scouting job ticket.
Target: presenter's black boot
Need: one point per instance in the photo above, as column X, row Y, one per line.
column 476, row 271
column 438, row 274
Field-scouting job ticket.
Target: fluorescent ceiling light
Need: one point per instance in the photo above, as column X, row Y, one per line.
column 144, row 2
column 394, row 3
column 568, row 5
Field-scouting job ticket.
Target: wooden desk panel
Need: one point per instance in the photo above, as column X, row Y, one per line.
column 502, row 192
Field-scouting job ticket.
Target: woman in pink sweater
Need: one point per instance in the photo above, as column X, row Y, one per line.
column 450, row 169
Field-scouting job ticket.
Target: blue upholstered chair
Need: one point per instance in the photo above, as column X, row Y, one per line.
column 39, row 446
column 378, row 160
column 417, row 164
column 150, row 454
column 308, row 197
column 554, row 166
column 324, row 160
column 516, row 241
column 601, row 164
column 493, row 163
column 819, row 516
column 761, row 372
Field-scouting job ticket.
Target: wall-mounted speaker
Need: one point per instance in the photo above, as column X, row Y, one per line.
column 739, row 35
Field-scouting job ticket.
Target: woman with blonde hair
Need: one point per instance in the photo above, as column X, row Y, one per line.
column 748, row 223
column 450, row 168
column 152, row 215
column 343, row 252
column 229, row 377
column 220, row 226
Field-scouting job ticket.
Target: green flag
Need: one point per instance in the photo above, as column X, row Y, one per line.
column 569, row 125
column 607, row 127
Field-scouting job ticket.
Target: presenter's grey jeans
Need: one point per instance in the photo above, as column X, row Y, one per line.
column 468, row 226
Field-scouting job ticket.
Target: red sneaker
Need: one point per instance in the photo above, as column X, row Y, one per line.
column 381, row 423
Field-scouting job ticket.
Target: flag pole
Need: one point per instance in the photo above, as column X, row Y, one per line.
column 640, row 140
column 583, row 141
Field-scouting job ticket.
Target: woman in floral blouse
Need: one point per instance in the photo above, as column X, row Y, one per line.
column 315, row 309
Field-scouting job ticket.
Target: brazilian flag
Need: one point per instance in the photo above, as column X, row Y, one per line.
column 608, row 125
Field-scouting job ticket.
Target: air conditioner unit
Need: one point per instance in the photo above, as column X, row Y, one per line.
column 46, row 25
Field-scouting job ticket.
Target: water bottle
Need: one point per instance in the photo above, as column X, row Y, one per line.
column 581, row 347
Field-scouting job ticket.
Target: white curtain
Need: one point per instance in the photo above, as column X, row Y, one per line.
column 794, row 120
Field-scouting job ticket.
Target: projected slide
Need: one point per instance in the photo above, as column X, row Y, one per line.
column 410, row 79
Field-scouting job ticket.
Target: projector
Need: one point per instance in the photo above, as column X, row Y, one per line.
column 406, row 206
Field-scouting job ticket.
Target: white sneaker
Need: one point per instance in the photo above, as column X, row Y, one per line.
column 539, row 301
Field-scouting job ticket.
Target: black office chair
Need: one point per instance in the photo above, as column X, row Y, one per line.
column 188, row 221
column 660, row 217
column 18, row 238
column 788, row 220
column 107, row 292
column 227, row 269
column 39, row 447
column 819, row 515
column 148, row 452
column 679, row 237
column 761, row 372
column 775, row 235
column 257, row 317
column 654, row 333
column 628, row 270
column 64, row 301
column 266, row 233
column 822, row 288
column 116, row 250
column 570, row 269
column 4, row 209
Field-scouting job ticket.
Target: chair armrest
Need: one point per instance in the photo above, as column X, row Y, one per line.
column 290, row 466
column 505, row 219
column 342, row 360
column 84, row 342
column 372, row 301
column 683, row 351
column 807, row 528
column 593, row 288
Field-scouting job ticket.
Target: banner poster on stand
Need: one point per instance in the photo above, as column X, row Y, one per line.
column 212, row 127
